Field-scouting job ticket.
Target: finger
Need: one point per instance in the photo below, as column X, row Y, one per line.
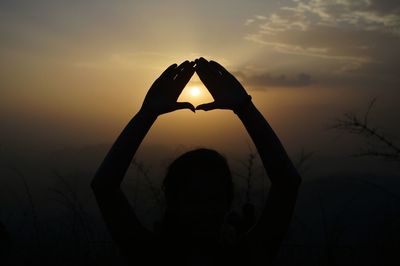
column 169, row 71
column 184, row 76
column 183, row 105
column 210, row 67
column 180, row 68
column 224, row 72
column 207, row 106
column 220, row 68
column 206, row 75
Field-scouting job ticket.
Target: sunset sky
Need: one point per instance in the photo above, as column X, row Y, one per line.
column 74, row 72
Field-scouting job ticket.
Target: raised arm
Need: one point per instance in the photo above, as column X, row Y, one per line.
column 275, row 218
column 125, row 228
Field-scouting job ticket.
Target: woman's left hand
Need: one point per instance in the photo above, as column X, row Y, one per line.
column 163, row 94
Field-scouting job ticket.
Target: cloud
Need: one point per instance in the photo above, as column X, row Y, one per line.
column 360, row 14
column 305, row 16
column 355, row 14
column 356, row 40
column 264, row 80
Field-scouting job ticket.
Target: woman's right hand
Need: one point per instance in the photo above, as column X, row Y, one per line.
column 226, row 90
column 163, row 94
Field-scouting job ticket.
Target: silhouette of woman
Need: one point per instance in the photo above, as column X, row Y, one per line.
column 198, row 185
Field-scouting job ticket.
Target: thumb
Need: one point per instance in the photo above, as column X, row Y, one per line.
column 207, row 106
column 183, row 105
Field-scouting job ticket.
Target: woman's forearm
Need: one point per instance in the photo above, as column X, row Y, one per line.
column 113, row 168
column 273, row 155
column 276, row 214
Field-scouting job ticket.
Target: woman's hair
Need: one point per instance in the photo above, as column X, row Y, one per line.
column 204, row 160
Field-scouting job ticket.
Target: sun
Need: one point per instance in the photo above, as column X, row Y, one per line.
column 195, row 91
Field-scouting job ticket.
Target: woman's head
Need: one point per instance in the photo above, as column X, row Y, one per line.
column 198, row 190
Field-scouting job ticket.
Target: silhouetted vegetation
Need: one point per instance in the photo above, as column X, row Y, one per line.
column 74, row 240
column 377, row 143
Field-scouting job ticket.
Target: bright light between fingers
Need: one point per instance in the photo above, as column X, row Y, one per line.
column 195, row 91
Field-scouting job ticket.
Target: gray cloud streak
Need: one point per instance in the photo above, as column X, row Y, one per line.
column 265, row 80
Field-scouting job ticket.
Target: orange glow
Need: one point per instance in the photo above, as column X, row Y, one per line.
column 195, row 91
